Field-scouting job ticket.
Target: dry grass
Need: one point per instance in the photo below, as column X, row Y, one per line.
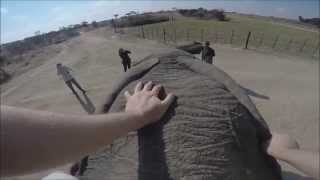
column 265, row 34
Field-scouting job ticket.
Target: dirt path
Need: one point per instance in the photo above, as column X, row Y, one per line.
column 291, row 83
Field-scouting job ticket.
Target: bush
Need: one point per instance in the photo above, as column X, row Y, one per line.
column 313, row 21
column 34, row 42
column 84, row 24
column 202, row 13
column 94, row 24
column 141, row 19
column 2, row 61
column 4, row 76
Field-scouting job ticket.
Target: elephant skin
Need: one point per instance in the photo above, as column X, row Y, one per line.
column 193, row 48
column 213, row 131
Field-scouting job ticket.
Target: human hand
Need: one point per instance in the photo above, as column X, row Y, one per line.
column 279, row 144
column 146, row 104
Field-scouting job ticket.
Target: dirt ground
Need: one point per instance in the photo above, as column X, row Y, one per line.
column 291, row 83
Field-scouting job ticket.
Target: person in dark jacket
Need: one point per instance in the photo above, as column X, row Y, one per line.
column 126, row 61
column 207, row 53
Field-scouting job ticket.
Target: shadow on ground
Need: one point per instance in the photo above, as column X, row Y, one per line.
column 293, row 176
column 86, row 103
column 255, row 94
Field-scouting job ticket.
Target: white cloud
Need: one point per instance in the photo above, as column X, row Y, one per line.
column 4, row 10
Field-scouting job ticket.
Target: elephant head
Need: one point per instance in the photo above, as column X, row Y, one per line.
column 212, row 131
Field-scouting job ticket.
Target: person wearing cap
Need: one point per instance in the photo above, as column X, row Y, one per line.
column 207, row 53
column 126, row 61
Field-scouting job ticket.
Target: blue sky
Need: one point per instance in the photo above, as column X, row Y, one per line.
column 20, row 19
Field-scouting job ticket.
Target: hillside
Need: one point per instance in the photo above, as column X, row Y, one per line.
column 267, row 35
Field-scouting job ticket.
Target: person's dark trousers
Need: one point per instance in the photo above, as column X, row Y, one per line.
column 73, row 81
column 129, row 64
column 126, row 66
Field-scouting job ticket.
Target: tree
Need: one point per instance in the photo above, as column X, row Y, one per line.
column 62, row 28
column 301, row 19
column 84, row 24
column 2, row 61
column 219, row 14
column 4, row 76
column 37, row 33
column 94, row 24
column 133, row 13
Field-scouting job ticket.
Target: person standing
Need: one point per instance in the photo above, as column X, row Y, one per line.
column 126, row 61
column 207, row 53
column 65, row 72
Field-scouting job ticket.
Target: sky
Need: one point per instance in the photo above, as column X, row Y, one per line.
column 22, row 18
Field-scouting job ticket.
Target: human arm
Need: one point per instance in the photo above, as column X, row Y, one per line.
column 69, row 70
column 284, row 148
column 35, row 140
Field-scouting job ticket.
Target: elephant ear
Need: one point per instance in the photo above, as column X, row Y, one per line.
column 238, row 91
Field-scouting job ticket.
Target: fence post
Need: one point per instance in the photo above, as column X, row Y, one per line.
column 216, row 40
column 202, row 35
column 261, row 40
column 275, row 42
column 175, row 35
column 188, row 33
column 232, row 34
column 247, row 41
column 142, row 32
column 152, row 33
column 157, row 34
column 146, row 34
column 317, row 51
column 164, row 34
column 303, row 45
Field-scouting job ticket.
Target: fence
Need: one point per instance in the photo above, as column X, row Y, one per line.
column 247, row 40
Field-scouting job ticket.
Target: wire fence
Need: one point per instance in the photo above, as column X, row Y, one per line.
column 247, row 40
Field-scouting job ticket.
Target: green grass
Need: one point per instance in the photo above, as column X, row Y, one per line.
column 291, row 38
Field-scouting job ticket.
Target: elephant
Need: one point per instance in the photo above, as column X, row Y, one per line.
column 193, row 48
column 213, row 130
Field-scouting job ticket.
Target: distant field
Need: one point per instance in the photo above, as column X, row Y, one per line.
column 265, row 34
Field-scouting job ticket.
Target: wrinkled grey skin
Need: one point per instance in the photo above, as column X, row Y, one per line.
column 193, row 48
column 212, row 131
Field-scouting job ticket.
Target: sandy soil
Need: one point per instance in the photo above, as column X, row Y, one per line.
column 291, row 83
